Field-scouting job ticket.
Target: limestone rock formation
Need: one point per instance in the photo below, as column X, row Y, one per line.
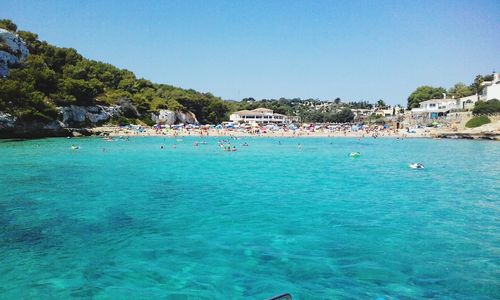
column 6, row 121
column 170, row 117
column 78, row 116
column 13, row 51
column 186, row 117
column 164, row 116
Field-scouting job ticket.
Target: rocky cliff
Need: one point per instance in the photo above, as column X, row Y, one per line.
column 81, row 118
column 12, row 51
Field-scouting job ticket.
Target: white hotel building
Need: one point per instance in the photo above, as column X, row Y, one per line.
column 260, row 116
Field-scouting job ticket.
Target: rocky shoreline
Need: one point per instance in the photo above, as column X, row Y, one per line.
column 80, row 120
column 469, row 136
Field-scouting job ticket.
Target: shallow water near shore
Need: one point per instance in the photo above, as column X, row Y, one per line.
column 139, row 222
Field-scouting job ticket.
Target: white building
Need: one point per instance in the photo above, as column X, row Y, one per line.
column 434, row 108
column 387, row 112
column 491, row 89
column 441, row 107
column 361, row 113
column 467, row 102
column 260, row 116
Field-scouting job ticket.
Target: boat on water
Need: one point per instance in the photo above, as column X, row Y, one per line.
column 354, row 154
column 416, row 166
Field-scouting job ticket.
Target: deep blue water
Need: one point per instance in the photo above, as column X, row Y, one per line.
column 139, row 222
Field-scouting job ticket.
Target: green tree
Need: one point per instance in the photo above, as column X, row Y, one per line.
column 8, row 25
column 344, row 116
column 424, row 93
column 83, row 92
column 460, row 90
column 476, row 87
column 487, row 107
column 36, row 72
column 28, row 37
column 217, row 112
column 381, row 104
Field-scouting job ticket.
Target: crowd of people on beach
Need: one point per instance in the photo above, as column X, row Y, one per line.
column 268, row 130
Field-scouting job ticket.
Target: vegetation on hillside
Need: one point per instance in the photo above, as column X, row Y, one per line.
column 54, row 76
column 477, row 121
column 487, row 107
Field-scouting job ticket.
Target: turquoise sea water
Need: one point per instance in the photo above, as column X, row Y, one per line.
column 139, row 222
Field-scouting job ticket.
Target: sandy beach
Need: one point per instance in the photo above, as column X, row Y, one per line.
column 119, row 131
column 489, row 131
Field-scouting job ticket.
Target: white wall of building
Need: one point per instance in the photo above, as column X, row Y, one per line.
column 491, row 89
column 260, row 116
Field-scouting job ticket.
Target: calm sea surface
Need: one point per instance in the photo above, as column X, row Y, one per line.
column 139, row 222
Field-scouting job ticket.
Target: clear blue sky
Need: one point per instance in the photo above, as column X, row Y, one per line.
column 355, row 50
